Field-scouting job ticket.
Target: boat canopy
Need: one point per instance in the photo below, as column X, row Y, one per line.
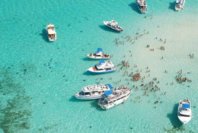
column 186, row 105
column 109, row 85
column 101, row 62
column 99, row 50
column 107, row 93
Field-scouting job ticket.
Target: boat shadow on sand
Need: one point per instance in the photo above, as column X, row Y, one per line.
column 107, row 29
column 73, row 99
column 87, row 59
column 87, row 73
column 173, row 117
column 172, row 6
column 94, row 104
column 44, row 35
column 134, row 7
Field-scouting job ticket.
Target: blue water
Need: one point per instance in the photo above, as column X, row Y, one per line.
column 38, row 79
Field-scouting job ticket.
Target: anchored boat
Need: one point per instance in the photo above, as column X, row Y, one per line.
column 113, row 25
column 179, row 5
column 51, row 32
column 142, row 5
column 98, row 55
column 103, row 67
column 91, row 92
column 184, row 111
column 114, row 97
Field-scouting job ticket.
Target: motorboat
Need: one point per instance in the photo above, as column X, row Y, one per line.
column 179, row 5
column 113, row 25
column 91, row 92
column 142, row 5
column 114, row 97
column 184, row 111
column 103, row 67
column 51, row 32
column 98, row 55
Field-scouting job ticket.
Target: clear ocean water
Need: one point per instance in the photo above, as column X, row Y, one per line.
column 38, row 79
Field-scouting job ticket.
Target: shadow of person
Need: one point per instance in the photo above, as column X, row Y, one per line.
column 172, row 6
column 173, row 117
column 134, row 7
column 44, row 35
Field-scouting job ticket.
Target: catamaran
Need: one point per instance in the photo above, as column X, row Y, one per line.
column 113, row 25
column 51, row 32
column 98, row 55
column 184, row 111
column 114, row 97
column 179, row 5
column 103, row 67
column 142, row 5
column 91, row 92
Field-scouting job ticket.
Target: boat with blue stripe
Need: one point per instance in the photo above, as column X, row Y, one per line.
column 184, row 111
column 99, row 54
column 114, row 97
column 103, row 67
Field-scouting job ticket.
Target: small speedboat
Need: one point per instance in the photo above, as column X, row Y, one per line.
column 103, row 67
column 98, row 55
column 142, row 5
column 91, row 92
column 184, row 111
column 179, row 5
column 113, row 25
column 114, row 97
column 51, row 32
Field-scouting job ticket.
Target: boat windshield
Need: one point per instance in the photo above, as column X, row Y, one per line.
column 84, row 93
column 184, row 115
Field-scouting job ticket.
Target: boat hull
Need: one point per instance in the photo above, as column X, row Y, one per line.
column 97, row 57
column 184, row 120
column 80, row 97
column 93, row 70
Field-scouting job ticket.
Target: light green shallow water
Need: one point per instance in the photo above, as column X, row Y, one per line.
column 38, row 78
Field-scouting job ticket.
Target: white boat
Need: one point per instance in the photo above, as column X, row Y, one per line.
column 179, row 5
column 51, row 32
column 103, row 67
column 98, row 55
column 142, row 5
column 91, row 92
column 184, row 111
column 113, row 25
column 114, row 97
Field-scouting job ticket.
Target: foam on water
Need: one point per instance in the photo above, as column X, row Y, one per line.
column 38, row 79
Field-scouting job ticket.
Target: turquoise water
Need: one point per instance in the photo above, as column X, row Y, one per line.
column 39, row 78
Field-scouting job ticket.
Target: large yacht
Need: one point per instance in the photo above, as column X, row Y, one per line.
column 142, row 5
column 114, row 97
column 99, row 54
column 103, row 67
column 184, row 111
column 113, row 25
column 51, row 32
column 93, row 91
column 179, row 5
